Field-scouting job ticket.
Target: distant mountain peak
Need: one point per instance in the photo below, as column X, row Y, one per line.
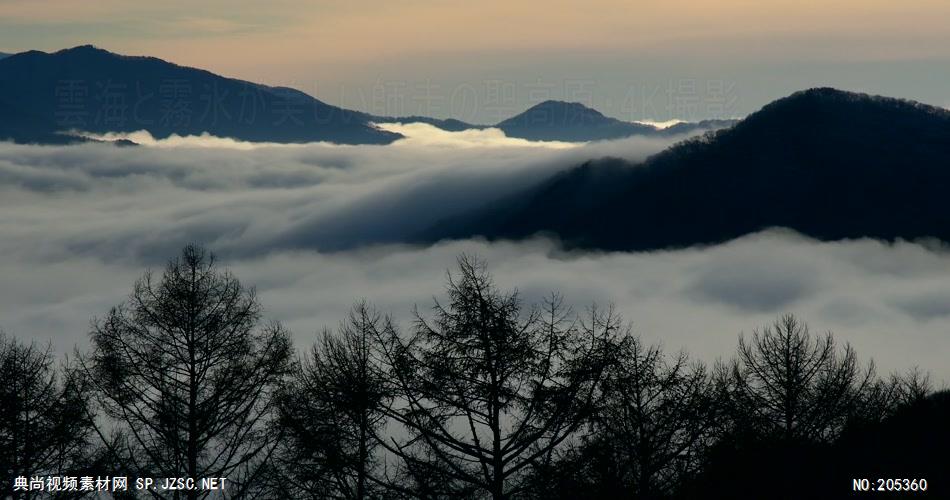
column 83, row 51
column 571, row 105
column 832, row 96
column 92, row 52
column 83, row 48
column 562, row 110
column 827, row 103
column 829, row 95
column 568, row 121
column 573, row 121
column 824, row 92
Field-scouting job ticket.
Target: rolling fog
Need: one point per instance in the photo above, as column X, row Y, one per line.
column 316, row 226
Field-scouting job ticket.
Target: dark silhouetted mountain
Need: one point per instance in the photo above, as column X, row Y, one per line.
column 574, row 122
column 569, row 121
column 93, row 90
column 826, row 163
column 450, row 124
column 695, row 127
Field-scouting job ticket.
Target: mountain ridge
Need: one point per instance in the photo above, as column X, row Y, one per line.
column 827, row 163
column 94, row 90
column 90, row 89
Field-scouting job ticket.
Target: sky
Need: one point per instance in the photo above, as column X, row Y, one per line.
column 485, row 61
column 316, row 227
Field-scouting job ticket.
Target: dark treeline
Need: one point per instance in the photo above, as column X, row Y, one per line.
column 479, row 396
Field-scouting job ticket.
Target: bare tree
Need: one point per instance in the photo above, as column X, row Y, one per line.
column 486, row 389
column 911, row 387
column 786, row 384
column 187, row 372
column 45, row 424
column 331, row 413
column 656, row 419
column 884, row 398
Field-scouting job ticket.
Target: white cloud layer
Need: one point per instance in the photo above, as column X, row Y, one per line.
column 425, row 135
column 244, row 198
column 417, row 135
column 313, row 228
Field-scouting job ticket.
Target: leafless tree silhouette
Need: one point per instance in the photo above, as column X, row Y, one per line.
column 187, row 372
column 484, row 397
column 45, row 419
column 331, row 413
column 486, row 388
column 656, row 417
column 788, row 384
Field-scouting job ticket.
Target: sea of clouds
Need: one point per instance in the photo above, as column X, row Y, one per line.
column 314, row 227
